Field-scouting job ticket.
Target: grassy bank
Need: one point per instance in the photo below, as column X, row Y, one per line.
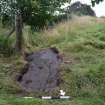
column 82, row 44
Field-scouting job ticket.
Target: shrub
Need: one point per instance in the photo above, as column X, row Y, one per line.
column 5, row 46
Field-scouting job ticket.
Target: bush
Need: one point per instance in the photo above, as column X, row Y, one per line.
column 5, row 46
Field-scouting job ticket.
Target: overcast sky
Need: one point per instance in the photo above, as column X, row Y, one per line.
column 99, row 9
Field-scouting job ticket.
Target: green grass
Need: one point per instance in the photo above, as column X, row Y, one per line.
column 21, row 101
column 82, row 44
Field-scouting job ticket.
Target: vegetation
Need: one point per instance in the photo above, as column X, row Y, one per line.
column 96, row 2
column 80, row 9
column 32, row 12
column 25, row 11
column 80, row 40
column 82, row 44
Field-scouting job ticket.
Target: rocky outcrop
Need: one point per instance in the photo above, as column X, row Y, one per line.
column 42, row 70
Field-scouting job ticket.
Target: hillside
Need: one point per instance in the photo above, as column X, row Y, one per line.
column 81, row 42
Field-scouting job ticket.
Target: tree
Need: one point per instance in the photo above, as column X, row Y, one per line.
column 11, row 9
column 95, row 2
column 80, row 9
column 31, row 12
column 26, row 11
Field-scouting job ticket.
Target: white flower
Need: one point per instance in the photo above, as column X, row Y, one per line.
column 62, row 93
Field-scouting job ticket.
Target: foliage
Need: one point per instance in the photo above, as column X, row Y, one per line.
column 34, row 12
column 78, row 8
column 83, row 46
column 82, row 72
column 96, row 2
column 5, row 46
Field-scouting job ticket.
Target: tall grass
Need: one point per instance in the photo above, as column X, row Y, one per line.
column 82, row 44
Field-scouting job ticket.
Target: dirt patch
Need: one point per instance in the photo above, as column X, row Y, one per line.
column 42, row 70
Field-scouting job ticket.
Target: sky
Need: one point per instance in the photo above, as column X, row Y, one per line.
column 99, row 9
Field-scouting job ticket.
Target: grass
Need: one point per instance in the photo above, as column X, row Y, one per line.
column 82, row 44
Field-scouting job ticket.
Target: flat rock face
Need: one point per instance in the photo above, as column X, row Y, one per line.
column 41, row 72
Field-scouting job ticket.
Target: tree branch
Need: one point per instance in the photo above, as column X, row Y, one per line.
column 11, row 32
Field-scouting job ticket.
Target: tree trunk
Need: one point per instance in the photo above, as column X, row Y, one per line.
column 18, row 29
